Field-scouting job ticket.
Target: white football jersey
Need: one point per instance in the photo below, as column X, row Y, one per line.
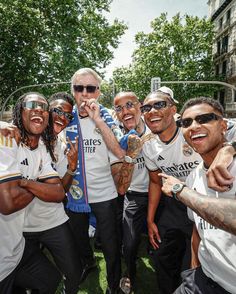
column 217, row 249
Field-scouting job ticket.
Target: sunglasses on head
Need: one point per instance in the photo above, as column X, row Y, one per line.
column 128, row 105
column 157, row 106
column 89, row 88
column 35, row 105
column 67, row 115
column 200, row 119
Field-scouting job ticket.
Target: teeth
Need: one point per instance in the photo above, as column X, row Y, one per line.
column 128, row 117
column 198, row 136
column 37, row 117
column 59, row 123
column 155, row 119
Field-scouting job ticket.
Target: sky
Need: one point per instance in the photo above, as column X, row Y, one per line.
column 138, row 14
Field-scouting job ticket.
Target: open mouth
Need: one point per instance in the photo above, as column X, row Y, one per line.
column 155, row 119
column 37, row 120
column 59, row 123
column 198, row 137
column 127, row 117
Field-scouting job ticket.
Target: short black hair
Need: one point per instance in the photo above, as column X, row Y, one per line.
column 203, row 100
column 63, row 96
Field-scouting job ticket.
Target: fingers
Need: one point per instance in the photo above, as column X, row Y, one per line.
column 153, row 242
column 216, row 181
column 72, row 153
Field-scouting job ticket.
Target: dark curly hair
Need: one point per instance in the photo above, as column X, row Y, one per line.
column 48, row 136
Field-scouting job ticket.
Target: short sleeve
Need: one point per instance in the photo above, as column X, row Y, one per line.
column 9, row 168
column 47, row 170
column 150, row 164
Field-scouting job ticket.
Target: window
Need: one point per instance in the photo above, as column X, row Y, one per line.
column 224, row 67
column 218, row 47
column 228, row 14
column 225, row 42
column 221, row 23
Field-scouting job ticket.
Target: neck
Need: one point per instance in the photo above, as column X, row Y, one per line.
column 169, row 134
column 33, row 141
column 140, row 127
column 209, row 157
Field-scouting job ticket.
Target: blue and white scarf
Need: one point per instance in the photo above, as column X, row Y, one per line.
column 78, row 194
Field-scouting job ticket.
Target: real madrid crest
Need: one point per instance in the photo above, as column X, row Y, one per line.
column 187, row 150
column 75, row 190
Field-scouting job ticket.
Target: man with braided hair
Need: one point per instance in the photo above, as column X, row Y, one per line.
column 25, row 174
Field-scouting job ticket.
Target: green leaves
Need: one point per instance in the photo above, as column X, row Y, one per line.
column 43, row 41
column 176, row 49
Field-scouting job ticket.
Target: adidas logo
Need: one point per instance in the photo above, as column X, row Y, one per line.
column 25, row 162
column 160, row 158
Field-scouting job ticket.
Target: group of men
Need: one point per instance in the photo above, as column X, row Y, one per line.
column 157, row 157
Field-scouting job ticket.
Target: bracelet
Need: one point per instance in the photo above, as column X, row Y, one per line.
column 70, row 172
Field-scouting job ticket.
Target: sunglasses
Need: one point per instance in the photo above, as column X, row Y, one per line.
column 67, row 115
column 157, row 106
column 35, row 105
column 200, row 119
column 128, row 105
column 89, row 88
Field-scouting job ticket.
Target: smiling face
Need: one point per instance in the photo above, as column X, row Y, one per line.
column 160, row 120
column 128, row 110
column 60, row 121
column 205, row 138
column 35, row 114
column 83, row 96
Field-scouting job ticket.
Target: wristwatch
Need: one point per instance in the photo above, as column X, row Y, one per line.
column 176, row 189
column 129, row 159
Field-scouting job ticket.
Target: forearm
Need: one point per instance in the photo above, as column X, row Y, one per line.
column 153, row 202
column 14, row 199
column 125, row 176
column 66, row 182
column 48, row 192
column 109, row 139
column 220, row 212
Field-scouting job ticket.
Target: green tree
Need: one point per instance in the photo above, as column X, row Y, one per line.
column 176, row 49
column 43, row 41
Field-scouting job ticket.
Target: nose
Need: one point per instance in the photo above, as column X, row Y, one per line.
column 154, row 110
column 39, row 108
column 84, row 93
column 124, row 109
column 195, row 125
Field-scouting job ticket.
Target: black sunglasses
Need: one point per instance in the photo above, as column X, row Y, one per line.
column 89, row 88
column 35, row 105
column 67, row 115
column 128, row 105
column 157, row 106
column 200, row 119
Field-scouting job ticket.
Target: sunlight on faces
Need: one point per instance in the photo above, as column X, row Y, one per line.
column 159, row 120
column 35, row 120
column 60, row 121
column 206, row 138
column 130, row 114
column 85, row 80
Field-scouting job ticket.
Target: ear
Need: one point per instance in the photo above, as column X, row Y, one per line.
column 97, row 95
column 173, row 110
column 223, row 124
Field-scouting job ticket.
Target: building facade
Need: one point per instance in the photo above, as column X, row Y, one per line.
column 223, row 14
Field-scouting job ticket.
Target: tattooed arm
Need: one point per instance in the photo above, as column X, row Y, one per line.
column 220, row 212
column 122, row 173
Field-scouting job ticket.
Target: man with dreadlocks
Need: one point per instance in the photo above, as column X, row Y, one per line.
column 26, row 179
